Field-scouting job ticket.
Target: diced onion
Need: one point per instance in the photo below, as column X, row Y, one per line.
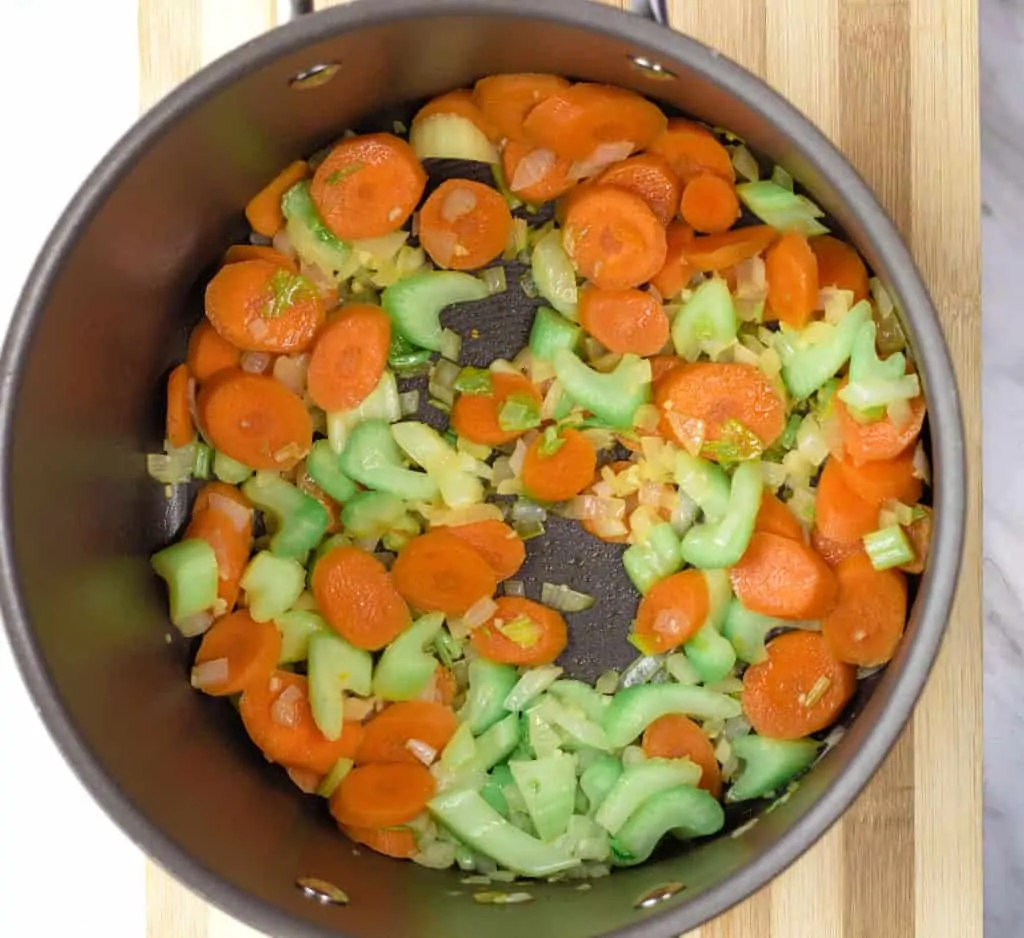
column 532, row 168
column 283, row 244
column 592, row 508
column 899, row 413
column 811, row 442
column 882, row 299
column 198, row 624
column 835, row 302
column 459, row 201
column 551, row 401
column 442, row 380
column 291, row 371
column 684, row 514
column 524, row 510
column 359, row 708
column 751, row 279
column 210, row 674
column 386, row 557
column 174, row 466
column 609, row 529
column 515, row 588
column 256, row 363
column 422, row 751
column 647, row 417
column 642, row 670
column 436, row 855
column 517, row 458
column 745, row 164
column 602, row 156
column 285, row 711
column 306, row 781
column 451, row 345
column 832, row 431
column 475, row 616
column 599, row 437
column 238, row 515
column 409, row 402
column 607, row 683
column 494, row 278
column 564, row 599
column 922, row 467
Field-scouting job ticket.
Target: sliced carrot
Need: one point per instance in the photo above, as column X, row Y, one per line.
column 264, row 208
column 881, row 439
column 464, row 224
column 613, row 238
column 357, row 598
column 715, row 394
column 677, row 271
column 209, row 353
column 386, row 736
column 555, row 476
column 534, row 174
column 774, row 517
column 249, row 648
column 672, row 611
column 461, row 103
column 368, row 186
column 259, row 306
column 505, row 100
column 884, row 479
column 222, row 516
column 259, row 252
column 438, row 571
column 649, row 176
column 577, row 121
column 792, row 273
column 349, row 357
column 867, row 625
column 675, row 736
column 496, row 542
column 709, row 204
column 801, row 688
column 179, row 429
column 834, row 552
column 784, row 578
column 721, row 251
column 664, row 365
column 521, row 632
column 397, row 842
column 255, row 419
column 624, row 320
column 692, row 150
column 839, row 265
column 285, row 729
column 840, row 514
column 475, row 416
column 382, row 795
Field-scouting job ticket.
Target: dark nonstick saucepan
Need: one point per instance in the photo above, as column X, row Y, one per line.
column 107, row 309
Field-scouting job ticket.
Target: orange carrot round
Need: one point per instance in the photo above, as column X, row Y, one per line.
column 385, row 736
column 259, row 252
column 464, row 224
column 784, row 578
column 801, row 688
column 840, row 514
column 649, row 176
column 709, row 204
column 475, row 416
column 382, row 795
column 349, row 357
column 222, row 516
column 179, row 429
column 676, row 272
column 867, row 624
column 839, row 265
column 722, row 251
column 624, row 320
column 672, row 611
column 534, row 174
column 368, row 186
column 496, row 542
column 774, row 517
column 255, row 419
column 250, row 649
column 884, row 479
column 461, row 103
column 440, row 572
column 792, row 273
column 556, row 476
column 505, row 100
column 264, row 209
column 209, row 353
column 832, row 551
column 675, row 736
column 664, row 365
column 357, row 598
column 881, row 439
column 691, row 150
column 259, row 306
column 521, row 632
column 396, row 842
column 613, row 238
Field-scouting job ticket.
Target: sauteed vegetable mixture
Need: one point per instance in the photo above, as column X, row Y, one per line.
column 712, row 380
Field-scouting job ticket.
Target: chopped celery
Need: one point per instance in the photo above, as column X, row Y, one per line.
column 450, row 137
column 541, row 735
column 704, row 482
column 472, row 381
column 747, row 630
column 489, row 685
column 372, row 458
column 405, row 667
column 577, row 730
column 599, row 778
column 812, row 355
column 613, row 397
column 415, row 303
column 707, row 322
column 335, row 666
column 635, row 708
column 736, row 443
column 781, row 178
column 548, row 787
column 333, row 779
column 582, row 696
column 554, row 275
column 470, row 818
column 324, row 469
column 639, row 782
column 686, row 811
column 203, row 464
column 767, row 764
column 873, row 382
column 190, row 570
column 230, row 470
column 372, row 514
column 496, row 744
column 721, row 544
column 453, row 472
column 711, row 655
column 655, row 559
column 781, row 208
column 404, row 357
column 382, row 403
column 297, row 627
column 530, row 686
column 313, row 241
column 460, row 749
column 272, row 584
column 448, row 649
column 550, row 332
column 493, row 791
column 299, row 520
column 518, row 413
column 888, row 547
column 586, row 840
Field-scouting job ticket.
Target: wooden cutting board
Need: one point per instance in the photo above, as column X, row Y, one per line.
column 894, row 83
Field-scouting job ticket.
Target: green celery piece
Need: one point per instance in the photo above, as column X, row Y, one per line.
column 888, row 547
column 781, row 208
column 639, row 782
column 707, row 322
column 658, row 557
column 496, row 744
column 807, row 366
column 873, row 382
column 493, row 791
column 335, row 667
column 717, row 545
column 297, row 627
column 635, row 708
column 530, row 686
column 324, row 469
column 519, row 412
column 452, row 472
column 272, row 584
column 299, row 520
column 687, row 811
column 230, row 470
column 705, row 482
column 768, row 764
column 405, row 667
column 403, row 356
column 541, row 736
column 382, row 403
column 554, row 275
column 548, row 787
column 489, row 685
column 577, row 730
column 313, row 241
column 470, row 818
column 747, row 630
column 711, row 655
column 373, row 514
column 550, row 332
column 203, row 465
column 415, row 303
column 613, row 397
column 190, row 570
column 577, row 694
column 474, row 381
column 449, row 649
column 460, row 749
column 373, row 459
column 586, row 839
column 599, row 778
column 333, row 779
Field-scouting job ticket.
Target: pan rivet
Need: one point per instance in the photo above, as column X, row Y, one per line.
column 657, row 895
column 314, row 76
column 321, row 890
column 651, row 68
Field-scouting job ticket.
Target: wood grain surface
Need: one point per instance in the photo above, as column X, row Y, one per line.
column 894, row 83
